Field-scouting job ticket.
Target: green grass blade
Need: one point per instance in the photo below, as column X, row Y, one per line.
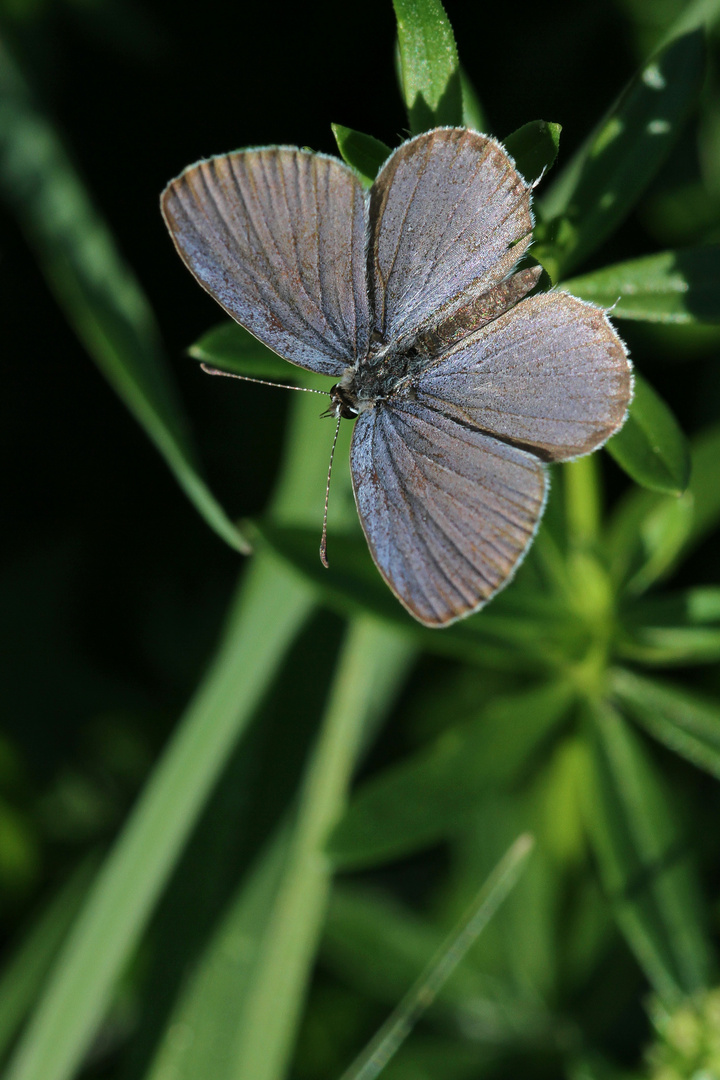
column 643, row 861
column 600, row 186
column 473, row 114
column 429, row 66
column 362, row 152
column 267, row 613
column 372, row 663
column 680, row 628
column 685, row 722
column 396, row 1029
column 534, row 148
column 208, row 1010
column 100, row 296
column 231, row 347
column 24, row 973
column 677, row 287
column 650, row 446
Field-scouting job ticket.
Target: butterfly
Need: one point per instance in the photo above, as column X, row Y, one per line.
column 462, row 384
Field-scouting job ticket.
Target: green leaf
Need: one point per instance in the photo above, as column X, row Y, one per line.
column 649, row 533
column 361, row 152
column 231, row 347
column 602, row 183
column 650, row 446
column 534, row 148
column 429, row 66
column 685, row 722
column 670, row 287
column 681, row 628
column 473, row 114
column 434, row 792
column 643, row 860
column 100, row 296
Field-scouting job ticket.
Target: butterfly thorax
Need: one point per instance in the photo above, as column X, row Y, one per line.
column 389, row 369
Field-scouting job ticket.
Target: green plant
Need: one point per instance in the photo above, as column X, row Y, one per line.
column 545, row 713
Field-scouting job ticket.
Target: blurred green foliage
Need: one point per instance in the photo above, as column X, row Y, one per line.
column 233, row 832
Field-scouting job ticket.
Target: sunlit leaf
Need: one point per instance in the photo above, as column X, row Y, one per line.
column 650, row 446
column 602, row 183
column 534, row 147
column 670, row 287
column 643, row 859
column 429, row 66
column 362, row 152
column 683, row 720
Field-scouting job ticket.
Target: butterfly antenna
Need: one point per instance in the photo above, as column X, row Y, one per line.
column 323, row 539
column 264, row 382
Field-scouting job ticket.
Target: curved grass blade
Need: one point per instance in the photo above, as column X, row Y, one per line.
column 396, row 1029
column 650, row 446
column 534, row 148
column 602, row 183
column 676, row 287
column 429, row 66
column 685, row 722
column 643, row 860
column 363, row 153
column 98, row 293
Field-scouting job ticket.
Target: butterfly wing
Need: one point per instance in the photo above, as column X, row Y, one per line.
column 277, row 237
column 448, row 512
column 448, row 212
column 551, row 376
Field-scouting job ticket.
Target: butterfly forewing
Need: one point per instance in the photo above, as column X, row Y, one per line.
column 447, row 511
column 277, row 236
column 550, row 375
column 448, row 213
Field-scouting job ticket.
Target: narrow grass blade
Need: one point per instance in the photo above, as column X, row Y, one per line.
column 681, row 628
column 473, row 114
column 429, row 66
column 99, row 294
column 396, row 1029
column 362, row 152
column 22, row 977
column 650, row 446
column 643, row 860
column 271, row 606
column 685, row 722
column 534, row 147
column 371, row 666
column 600, row 186
column 678, row 287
